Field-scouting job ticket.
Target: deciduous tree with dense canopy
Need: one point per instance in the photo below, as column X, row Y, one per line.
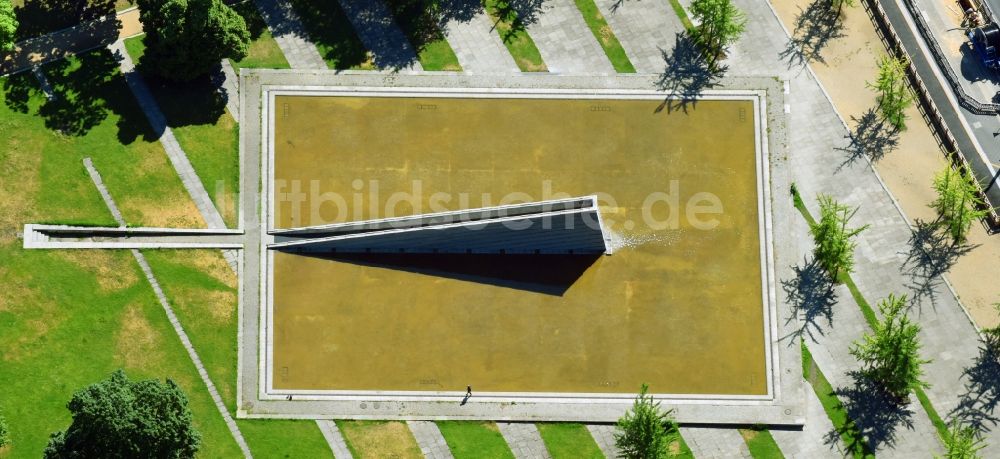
column 186, row 39
column 8, row 26
column 643, row 431
column 120, row 418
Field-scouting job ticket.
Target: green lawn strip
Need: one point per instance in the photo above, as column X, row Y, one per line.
column 676, row 446
column 474, row 440
column 196, row 113
column 420, row 25
column 70, row 323
column 856, row 444
column 379, row 439
column 521, row 47
column 761, row 443
column 264, row 51
column 206, row 307
column 605, row 36
column 333, row 34
column 679, row 10
column 568, row 440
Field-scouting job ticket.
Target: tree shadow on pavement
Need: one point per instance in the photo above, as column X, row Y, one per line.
column 815, row 27
column 87, row 89
column 871, row 138
column 932, row 253
column 328, row 27
column 40, row 17
column 811, row 297
column 686, row 74
column 876, row 414
column 976, row 406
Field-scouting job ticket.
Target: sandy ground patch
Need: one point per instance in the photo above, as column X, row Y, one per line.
column 908, row 171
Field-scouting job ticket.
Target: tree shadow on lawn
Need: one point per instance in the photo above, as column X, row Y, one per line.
column 810, row 297
column 874, row 415
column 87, row 89
column 40, row 17
column 686, row 75
column 815, row 27
column 932, row 253
column 871, row 138
column 977, row 405
column 196, row 102
column 328, row 26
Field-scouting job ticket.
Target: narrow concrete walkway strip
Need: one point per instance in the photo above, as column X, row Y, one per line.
column 646, row 29
column 430, row 440
column 524, row 440
column 334, row 438
column 712, row 442
column 287, row 29
column 43, row 82
column 229, row 85
column 376, row 28
column 812, row 441
column 566, row 43
column 144, row 265
column 173, row 149
column 478, row 46
column 604, row 436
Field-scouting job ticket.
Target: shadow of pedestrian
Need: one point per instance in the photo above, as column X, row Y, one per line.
column 810, row 297
column 976, row 406
column 815, row 27
column 932, row 253
column 686, row 74
column 875, row 414
column 871, row 138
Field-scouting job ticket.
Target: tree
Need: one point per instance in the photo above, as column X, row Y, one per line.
column 8, row 26
column 890, row 353
column 186, row 39
column 834, row 249
column 839, row 5
column 720, row 24
column 894, row 95
column 643, row 432
column 119, row 418
column 4, row 432
column 958, row 204
column 962, row 442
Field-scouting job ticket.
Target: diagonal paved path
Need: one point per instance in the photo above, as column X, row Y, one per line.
column 174, row 322
column 376, row 28
column 334, row 438
column 478, row 46
column 524, row 440
column 432, row 443
column 290, row 34
column 645, row 28
column 810, row 441
column 714, row 442
column 564, row 40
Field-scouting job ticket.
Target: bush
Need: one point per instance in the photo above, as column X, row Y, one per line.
column 643, row 431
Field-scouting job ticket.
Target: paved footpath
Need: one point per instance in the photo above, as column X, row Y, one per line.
column 174, row 322
column 430, row 440
column 604, row 436
column 524, row 440
column 334, row 438
column 290, row 34
column 566, row 43
column 715, row 443
column 646, row 29
column 376, row 28
column 478, row 46
column 811, row 441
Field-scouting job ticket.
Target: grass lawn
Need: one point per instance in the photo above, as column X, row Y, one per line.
column 419, row 22
column 202, row 290
column 605, row 36
column 264, row 51
column 474, row 440
column 197, row 115
column 333, row 35
column 570, row 441
column 379, row 439
column 761, row 444
column 520, row 45
column 849, row 432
